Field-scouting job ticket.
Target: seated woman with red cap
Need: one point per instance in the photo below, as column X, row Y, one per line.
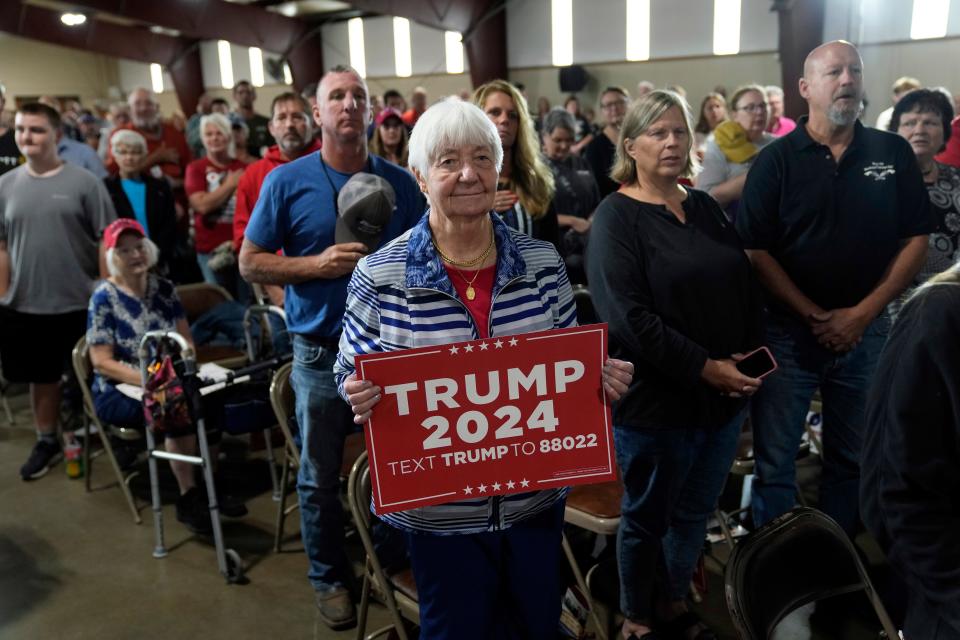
column 124, row 307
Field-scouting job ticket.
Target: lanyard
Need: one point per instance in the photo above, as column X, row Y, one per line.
column 336, row 192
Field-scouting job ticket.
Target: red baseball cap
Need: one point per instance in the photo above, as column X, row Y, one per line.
column 118, row 227
column 388, row 112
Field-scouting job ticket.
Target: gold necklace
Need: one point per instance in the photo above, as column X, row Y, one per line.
column 471, row 292
column 466, row 263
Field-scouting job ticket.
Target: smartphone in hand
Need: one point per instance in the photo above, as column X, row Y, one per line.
column 757, row 364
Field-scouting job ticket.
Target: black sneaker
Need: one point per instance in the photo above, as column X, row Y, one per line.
column 44, row 455
column 193, row 512
column 228, row 504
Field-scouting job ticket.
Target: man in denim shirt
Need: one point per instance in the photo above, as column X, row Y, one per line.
column 297, row 212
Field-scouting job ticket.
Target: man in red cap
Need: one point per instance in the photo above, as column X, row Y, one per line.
column 292, row 128
column 52, row 215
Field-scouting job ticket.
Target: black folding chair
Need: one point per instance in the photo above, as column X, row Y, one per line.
column 801, row 557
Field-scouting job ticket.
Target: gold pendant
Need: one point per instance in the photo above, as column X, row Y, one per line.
column 471, row 294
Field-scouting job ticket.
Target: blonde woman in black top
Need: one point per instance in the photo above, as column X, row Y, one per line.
column 669, row 276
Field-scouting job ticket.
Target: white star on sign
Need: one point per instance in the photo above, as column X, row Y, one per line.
column 454, row 350
column 484, row 346
column 524, row 483
column 511, row 484
column 498, row 344
column 495, row 486
column 513, row 342
column 482, row 488
column 468, row 348
column 468, row 491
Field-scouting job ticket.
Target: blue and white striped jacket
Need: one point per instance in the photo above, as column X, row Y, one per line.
column 400, row 297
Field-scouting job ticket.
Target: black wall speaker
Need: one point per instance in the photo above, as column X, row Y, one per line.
column 573, row 78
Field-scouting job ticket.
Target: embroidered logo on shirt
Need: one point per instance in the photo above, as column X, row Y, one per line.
column 879, row 171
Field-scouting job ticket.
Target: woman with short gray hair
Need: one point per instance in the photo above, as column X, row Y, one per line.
column 485, row 567
column 138, row 195
column 211, row 186
column 577, row 193
column 668, row 274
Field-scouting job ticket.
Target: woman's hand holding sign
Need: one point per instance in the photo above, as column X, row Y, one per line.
column 363, row 395
column 617, row 376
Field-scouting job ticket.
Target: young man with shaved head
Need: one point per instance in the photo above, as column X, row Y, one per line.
column 835, row 218
column 297, row 211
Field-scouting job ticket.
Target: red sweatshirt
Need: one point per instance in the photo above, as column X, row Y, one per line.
column 248, row 191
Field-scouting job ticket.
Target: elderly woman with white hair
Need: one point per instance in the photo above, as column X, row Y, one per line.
column 211, row 187
column 140, row 196
column 484, row 568
column 122, row 309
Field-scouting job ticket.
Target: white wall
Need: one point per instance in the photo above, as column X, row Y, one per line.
column 678, row 28
column 427, row 48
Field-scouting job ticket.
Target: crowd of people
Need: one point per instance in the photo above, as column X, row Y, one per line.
column 701, row 236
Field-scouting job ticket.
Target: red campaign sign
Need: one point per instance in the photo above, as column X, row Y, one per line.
column 467, row 420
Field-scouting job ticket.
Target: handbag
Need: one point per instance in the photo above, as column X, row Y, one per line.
column 165, row 403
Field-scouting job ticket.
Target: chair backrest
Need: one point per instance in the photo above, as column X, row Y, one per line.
column 200, row 297
column 282, row 400
column 801, row 557
column 358, row 496
column 83, row 369
column 586, row 314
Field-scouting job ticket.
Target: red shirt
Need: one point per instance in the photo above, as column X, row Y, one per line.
column 479, row 307
column 248, row 191
column 951, row 155
column 215, row 228
column 410, row 117
column 168, row 137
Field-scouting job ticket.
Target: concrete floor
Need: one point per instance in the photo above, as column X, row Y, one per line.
column 73, row 564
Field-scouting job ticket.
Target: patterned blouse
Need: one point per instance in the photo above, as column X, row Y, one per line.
column 944, row 249
column 119, row 319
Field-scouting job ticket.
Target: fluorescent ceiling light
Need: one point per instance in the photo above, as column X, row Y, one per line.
column 726, row 27
column 638, row 30
column 256, row 66
column 287, row 74
column 401, row 47
column 226, row 64
column 561, row 28
column 73, row 19
column 156, row 78
column 358, row 59
column 453, row 41
column 929, row 19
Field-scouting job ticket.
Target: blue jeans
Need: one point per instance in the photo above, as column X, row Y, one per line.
column 499, row 584
column 672, row 480
column 780, row 409
column 325, row 420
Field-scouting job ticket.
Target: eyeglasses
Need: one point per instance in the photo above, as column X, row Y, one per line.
column 129, row 251
column 606, row 106
column 753, row 108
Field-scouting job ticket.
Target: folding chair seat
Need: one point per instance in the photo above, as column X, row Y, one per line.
column 398, row 592
column 84, row 372
column 801, row 557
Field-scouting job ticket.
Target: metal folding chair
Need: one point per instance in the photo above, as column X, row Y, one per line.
column 84, row 372
column 398, row 592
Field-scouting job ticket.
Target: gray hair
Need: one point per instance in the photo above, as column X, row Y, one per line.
column 128, row 137
column 221, row 122
column 451, row 123
column 153, row 256
column 558, row 117
column 773, row 90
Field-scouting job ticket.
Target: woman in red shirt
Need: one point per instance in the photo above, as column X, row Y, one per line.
column 211, row 185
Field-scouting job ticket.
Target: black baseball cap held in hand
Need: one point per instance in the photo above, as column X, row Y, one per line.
column 364, row 206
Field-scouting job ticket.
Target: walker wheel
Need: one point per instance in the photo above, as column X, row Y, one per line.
column 234, row 567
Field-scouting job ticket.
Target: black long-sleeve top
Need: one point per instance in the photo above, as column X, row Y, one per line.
column 673, row 295
column 910, row 484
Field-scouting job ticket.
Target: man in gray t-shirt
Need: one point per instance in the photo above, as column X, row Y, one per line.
column 52, row 215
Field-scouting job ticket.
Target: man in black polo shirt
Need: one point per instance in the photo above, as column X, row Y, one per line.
column 834, row 217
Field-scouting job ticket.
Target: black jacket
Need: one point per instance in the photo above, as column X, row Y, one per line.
column 161, row 214
column 910, row 484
